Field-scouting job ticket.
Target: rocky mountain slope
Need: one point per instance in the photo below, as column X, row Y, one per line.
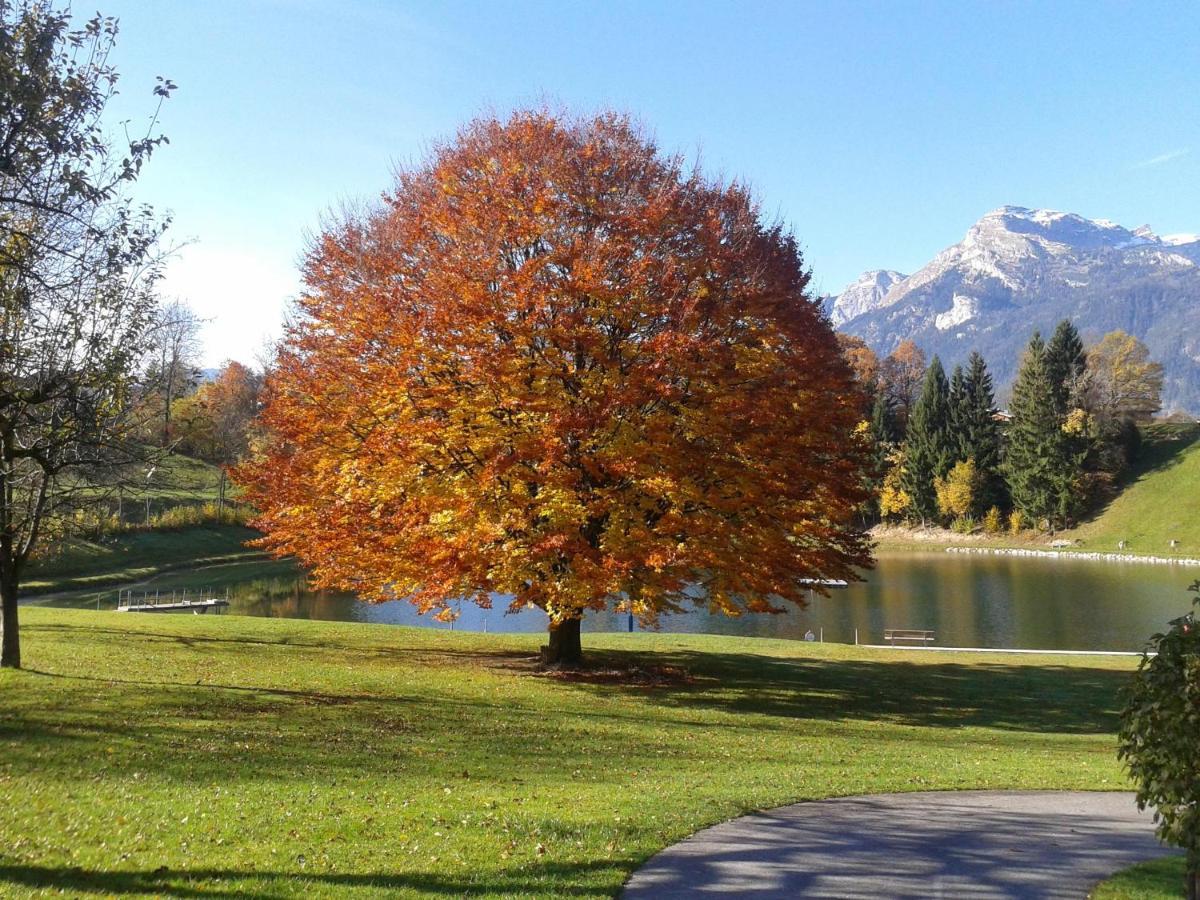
column 1021, row 269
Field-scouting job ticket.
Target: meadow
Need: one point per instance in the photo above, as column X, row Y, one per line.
column 223, row 756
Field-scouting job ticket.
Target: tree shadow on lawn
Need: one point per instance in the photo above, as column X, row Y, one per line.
column 1038, row 698
column 423, row 653
column 1034, row 698
column 264, row 885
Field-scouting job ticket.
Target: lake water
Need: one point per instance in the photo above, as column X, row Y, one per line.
column 967, row 600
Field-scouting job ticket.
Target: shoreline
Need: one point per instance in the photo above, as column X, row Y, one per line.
column 1093, row 555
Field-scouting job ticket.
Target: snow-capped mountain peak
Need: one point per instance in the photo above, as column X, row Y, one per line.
column 863, row 295
column 1178, row 240
column 1018, row 269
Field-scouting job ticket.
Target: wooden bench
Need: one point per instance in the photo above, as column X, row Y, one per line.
column 913, row 635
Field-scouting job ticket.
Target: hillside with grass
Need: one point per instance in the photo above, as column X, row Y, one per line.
column 235, row 756
column 1159, row 502
column 176, row 519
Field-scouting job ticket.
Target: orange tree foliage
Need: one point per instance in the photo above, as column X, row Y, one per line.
column 217, row 421
column 861, row 359
column 558, row 366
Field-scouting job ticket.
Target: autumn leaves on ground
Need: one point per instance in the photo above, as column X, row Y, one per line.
column 228, row 756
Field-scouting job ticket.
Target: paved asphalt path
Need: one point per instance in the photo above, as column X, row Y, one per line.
column 951, row 844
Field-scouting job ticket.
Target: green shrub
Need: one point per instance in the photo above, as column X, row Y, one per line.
column 1160, row 734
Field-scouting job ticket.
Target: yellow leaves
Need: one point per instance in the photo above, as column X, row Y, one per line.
column 1122, row 380
column 894, row 501
column 956, row 491
column 442, row 519
column 1078, row 422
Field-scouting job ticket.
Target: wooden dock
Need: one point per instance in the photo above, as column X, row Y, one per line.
column 195, row 606
column 200, row 602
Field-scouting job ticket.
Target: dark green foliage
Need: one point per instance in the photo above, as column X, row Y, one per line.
column 930, row 450
column 1160, row 736
column 1065, row 365
column 977, row 433
column 1040, row 465
column 883, row 421
column 882, row 427
column 958, row 402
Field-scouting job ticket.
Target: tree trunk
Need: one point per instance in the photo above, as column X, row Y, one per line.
column 10, row 635
column 1193, row 881
column 565, row 649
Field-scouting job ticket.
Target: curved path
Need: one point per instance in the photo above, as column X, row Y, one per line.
column 952, row 844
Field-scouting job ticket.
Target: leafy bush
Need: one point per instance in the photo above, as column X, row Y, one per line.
column 963, row 524
column 191, row 515
column 1160, row 736
column 993, row 523
column 1016, row 522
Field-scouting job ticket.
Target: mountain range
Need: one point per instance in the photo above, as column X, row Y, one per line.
column 1021, row 269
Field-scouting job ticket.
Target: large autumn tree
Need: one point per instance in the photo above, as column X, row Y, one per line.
column 558, row 366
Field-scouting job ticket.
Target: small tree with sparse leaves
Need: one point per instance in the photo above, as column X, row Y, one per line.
column 1160, row 737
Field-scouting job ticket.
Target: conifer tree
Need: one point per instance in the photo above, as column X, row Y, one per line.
column 883, row 421
column 978, row 434
column 1066, row 362
column 881, row 428
column 929, row 450
column 1040, row 466
column 958, row 404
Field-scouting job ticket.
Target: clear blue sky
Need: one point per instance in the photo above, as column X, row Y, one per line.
column 878, row 131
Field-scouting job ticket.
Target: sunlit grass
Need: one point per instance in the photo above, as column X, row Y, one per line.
column 1160, row 879
column 230, row 756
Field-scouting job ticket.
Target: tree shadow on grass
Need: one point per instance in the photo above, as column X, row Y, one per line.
column 1033, row 698
column 266, row 885
column 1021, row 697
column 425, row 652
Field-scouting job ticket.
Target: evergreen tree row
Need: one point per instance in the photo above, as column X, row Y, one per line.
column 947, row 455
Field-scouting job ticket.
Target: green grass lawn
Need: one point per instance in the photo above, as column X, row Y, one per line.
column 1160, row 879
column 133, row 556
column 179, row 477
column 206, row 756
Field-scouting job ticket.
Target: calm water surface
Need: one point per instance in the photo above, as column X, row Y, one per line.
column 967, row 600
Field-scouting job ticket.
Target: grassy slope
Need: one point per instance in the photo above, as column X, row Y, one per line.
column 133, row 556
column 1160, row 502
column 1161, row 879
column 230, row 756
column 182, row 478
